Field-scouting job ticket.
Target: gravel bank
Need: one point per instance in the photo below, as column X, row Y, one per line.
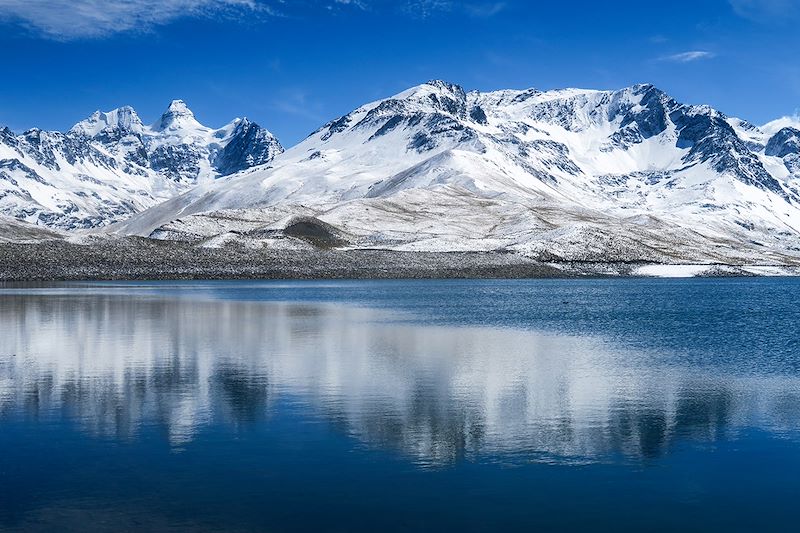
column 137, row 258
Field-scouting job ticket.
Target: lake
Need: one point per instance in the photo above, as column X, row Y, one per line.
column 623, row 404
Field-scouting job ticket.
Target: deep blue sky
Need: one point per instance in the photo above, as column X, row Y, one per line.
column 293, row 67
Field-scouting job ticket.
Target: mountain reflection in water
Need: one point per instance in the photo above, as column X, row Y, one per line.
column 114, row 365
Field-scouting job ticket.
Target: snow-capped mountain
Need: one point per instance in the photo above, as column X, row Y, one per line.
column 572, row 174
column 110, row 165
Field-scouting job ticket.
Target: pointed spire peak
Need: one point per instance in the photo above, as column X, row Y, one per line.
column 240, row 126
column 179, row 107
column 245, row 122
column 177, row 116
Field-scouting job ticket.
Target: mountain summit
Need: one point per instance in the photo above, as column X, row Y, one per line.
column 178, row 116
column 124, row 118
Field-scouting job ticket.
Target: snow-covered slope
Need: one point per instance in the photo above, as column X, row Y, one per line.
column 573, row 174
column 111, row 165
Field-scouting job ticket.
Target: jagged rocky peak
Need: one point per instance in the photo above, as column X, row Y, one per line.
column 783, row 143
column 126, row 117
column 422, row 106
column 642, row 96
column 177, row 116
column 441, row 95
column 452, row 90
column 7, row 136
column 249, row 145
column 123, row 118
column 244, row 124
column 643, row 111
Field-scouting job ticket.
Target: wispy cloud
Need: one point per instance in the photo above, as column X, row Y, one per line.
column 485, row 10
column 73, row 19
column 414, row 8
column 475, row 9
column 425, row 8
column 767, row 11
column 422, row 9
column 688, row 57
column 298, row 103
column 355, row 3
column 66, row 20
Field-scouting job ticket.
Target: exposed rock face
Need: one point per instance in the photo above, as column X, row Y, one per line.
column 783, row 143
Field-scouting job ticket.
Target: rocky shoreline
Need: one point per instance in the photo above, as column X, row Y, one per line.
column 138, row 258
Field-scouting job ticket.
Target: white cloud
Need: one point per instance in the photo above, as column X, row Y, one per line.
column 72, row 19
column 686, row 57
column 76, row 19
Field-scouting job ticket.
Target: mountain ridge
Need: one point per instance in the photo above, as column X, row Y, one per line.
column 624, row 167
column 571, row 174
column 110, row 165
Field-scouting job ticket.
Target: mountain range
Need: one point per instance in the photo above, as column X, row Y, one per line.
column 110, row 165
column 576, row 175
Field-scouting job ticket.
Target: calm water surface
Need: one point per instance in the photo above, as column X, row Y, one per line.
column 397, row 405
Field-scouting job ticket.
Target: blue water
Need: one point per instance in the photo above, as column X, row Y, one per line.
column 400, row 405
